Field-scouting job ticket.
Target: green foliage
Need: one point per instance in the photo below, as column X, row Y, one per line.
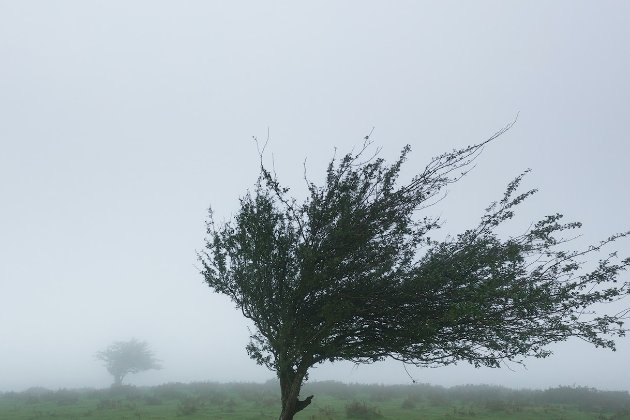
column 247, row 401
column 409, row 403
column 109, row 404
column 352, row 274
column 360, row 410
column 152, row 400
column 189, row 406
column 64, row 397
column 124, row 357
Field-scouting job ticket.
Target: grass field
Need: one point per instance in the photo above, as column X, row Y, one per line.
column 332, row 400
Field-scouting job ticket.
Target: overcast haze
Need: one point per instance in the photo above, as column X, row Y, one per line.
column 122, row 122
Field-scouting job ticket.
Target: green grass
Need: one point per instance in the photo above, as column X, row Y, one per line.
column 332, row 401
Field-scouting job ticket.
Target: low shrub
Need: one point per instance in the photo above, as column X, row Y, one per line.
column 65, row 397
column 108, row 404
column 189, row 406
column 127, row 391
column 152, row 400
column 360, row 410
column 229, row 406
column 409, row 403
column 437, row 399
column 170, row 391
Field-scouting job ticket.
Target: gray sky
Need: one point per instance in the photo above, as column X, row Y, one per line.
column 121, row 122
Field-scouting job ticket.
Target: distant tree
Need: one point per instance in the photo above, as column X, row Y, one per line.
column 124, row 357
column 352, row 274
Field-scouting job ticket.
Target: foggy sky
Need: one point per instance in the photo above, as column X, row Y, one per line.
column 122, row 122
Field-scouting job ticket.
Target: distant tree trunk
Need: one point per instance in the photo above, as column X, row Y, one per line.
column 118, row 380
column 290, row 385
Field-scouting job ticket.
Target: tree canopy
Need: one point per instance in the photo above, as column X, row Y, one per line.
column 124, row 357
column 351, row 273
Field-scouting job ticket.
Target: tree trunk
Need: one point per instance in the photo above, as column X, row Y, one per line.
column 290, row 385
column 118, row 380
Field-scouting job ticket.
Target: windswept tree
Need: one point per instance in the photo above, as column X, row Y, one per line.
column 124, row 357
column 351, row 273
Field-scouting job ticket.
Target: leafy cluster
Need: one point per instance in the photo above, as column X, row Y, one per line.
column 337, row 277
column 352, row 274
column 124, row 357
